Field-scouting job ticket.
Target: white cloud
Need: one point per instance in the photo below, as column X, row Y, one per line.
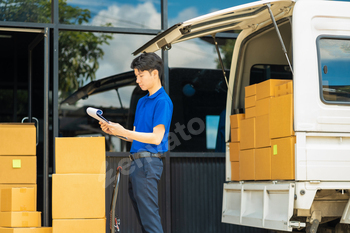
column 143, row 15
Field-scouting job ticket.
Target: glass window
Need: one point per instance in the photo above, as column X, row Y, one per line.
column 35, row 11
column 263, row 72
column 198, row 89
column 94, row 71
column 334, row 68
column 212, row 125
column 197, row 94
column 121, row 13
column 201, row 53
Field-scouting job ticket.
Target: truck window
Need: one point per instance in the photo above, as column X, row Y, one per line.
column 334, row 69
column 263, row 72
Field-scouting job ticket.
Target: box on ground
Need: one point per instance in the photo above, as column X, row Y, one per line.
column 20, row 219
column 235, row 171
column 17, row 139
column 26, row 230
column 250, row 90
column 284, row 89
column 79, row 225
column 249, row 102
column 80, row 155
column 247, row 134
column 247, row 164
column 235, row 120
column 235, row 135
column 250, row 112
column 281, row 117
column 267, row 88
column 282, row 158
column 263, row 163
column 17, row 169
column 18, row 199
column 234, row 151
column 262, row 131
column 78, row 196
column 7, row 186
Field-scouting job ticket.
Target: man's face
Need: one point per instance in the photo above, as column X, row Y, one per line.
column 146, row 79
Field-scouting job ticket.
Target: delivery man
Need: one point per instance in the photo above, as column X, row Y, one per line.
column 149, row 139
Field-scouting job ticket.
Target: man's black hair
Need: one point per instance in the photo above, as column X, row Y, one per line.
column 149, row 62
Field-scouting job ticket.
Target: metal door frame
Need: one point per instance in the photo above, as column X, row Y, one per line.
column 43, row 33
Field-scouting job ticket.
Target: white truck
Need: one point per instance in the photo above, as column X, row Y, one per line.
column 310, row 41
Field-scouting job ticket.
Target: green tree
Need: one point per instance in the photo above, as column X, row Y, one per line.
column 79, row 52
column 226, row 51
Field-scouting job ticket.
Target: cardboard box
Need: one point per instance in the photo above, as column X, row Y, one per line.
column 283, row 159
column 17, row 169
column 281, row 116
column 234, row 151
column 26, row 230
column 263, row 106
column 263, row 163
column 250, row 90
column 250, row 112
column 267, row 88
column 83, row 155
column 7, row 186
column 20, row 219
column 284, row 89
column 247, row 164
column 18, row 199
column 79, row 225
column 262, row 131
column 235, row 120
column 235, row 171
column 17, row 139
column 247, row 134
column 78, row 196
column 235, row 135
column 249, row 102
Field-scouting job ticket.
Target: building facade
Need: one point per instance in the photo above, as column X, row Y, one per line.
column 59, row 57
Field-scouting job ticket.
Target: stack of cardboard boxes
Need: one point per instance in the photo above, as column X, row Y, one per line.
column 18, row 180
column 266, row 133
column 78, row 186
column 235, row 144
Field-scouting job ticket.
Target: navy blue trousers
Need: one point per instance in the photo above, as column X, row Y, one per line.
column 144, row 176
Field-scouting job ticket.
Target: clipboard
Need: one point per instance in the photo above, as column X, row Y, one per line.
column 96, row 113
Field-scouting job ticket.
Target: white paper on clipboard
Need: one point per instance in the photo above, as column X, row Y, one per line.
column 96, row 113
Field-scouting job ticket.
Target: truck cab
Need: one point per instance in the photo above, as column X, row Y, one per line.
column 304, row 47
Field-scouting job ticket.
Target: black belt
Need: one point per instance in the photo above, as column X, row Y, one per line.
column 143, row 155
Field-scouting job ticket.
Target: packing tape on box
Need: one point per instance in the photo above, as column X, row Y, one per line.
column 25, row 224
column 22, row 190
column 16, row 163
column 274, row 149
column 25, row 214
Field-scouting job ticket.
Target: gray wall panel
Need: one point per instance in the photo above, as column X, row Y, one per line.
column 196, row 196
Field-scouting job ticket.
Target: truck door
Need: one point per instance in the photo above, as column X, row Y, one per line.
column 321, row 58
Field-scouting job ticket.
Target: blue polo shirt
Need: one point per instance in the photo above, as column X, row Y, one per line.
column 152, row 111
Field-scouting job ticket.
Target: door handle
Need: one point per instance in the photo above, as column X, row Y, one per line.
column 37, row 127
